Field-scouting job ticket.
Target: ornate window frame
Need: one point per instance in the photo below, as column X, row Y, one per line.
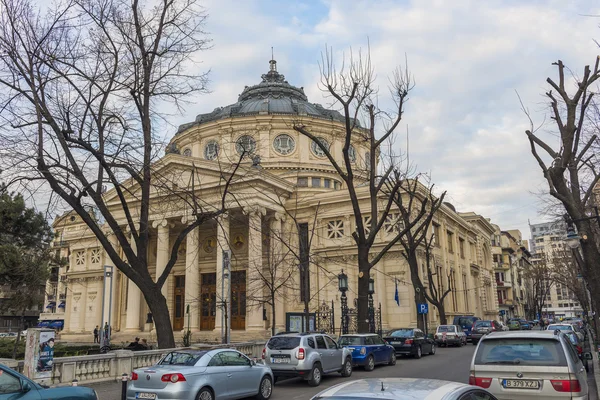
column 240, row 146
column 316, row 150
column 213, row 154
column 290, row 149
column 335, row 229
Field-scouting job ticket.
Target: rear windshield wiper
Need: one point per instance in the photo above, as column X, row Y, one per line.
column 508, row 362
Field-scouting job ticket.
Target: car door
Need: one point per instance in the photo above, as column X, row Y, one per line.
column 420, row 340
column 326, row 360
column 382, row 350
column 241, row 381
column 371, row 347
column 335, row 353
column 578, row 368
column 216, row 374
column 10, row 388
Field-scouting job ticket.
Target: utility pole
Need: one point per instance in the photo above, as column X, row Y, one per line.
column 226, row 298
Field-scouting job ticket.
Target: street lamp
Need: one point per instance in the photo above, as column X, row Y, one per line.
column 343, row 287
column 371, row 307
column 572, row 238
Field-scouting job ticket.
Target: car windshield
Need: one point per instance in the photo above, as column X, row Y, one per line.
column 350, row 340
column 483, row 323
column 466, row 321
column 521, row 351
column 283, row 342
column 560, row 327
column 572, row 337
column 446, row 328
column 401, row 333
column 177, row 358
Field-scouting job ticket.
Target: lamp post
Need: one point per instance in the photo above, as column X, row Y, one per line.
column 343, row 287
column 371, row 307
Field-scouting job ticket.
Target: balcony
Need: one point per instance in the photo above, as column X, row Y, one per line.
column 501, row 266
column 503, row 284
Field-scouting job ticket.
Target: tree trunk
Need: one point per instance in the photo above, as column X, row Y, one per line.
column 442, row 311
column 18, row 339
column 413, row 265
column 160, row 313
column 362, row 306
column 273, row 313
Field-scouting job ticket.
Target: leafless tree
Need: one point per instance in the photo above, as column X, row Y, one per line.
column 567, row 273
column 81, row 86
column 569, row 159
column 539, row 279
column 352, row 88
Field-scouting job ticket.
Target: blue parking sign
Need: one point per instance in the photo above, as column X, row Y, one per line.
column 423, row 308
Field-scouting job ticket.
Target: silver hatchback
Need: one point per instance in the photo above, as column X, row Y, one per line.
column 306, row 355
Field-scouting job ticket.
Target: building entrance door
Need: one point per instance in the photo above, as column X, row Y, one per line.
column 238, row 300
column 208, row 296
column 179, row 300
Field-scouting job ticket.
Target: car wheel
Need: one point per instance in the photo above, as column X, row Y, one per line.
column 587, row 366
column 392, row 359
column 419, row 353
column 205, row 394
column 315, row 375
column 370, row 365
column 265, row 389
column 347, row 368
column 432, row 352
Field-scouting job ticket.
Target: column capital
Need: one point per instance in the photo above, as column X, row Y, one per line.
column 279, row 216
column 255, row 209
column 223, row 217
column 161, row 223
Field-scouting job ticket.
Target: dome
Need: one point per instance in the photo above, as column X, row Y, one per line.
column 274, row 95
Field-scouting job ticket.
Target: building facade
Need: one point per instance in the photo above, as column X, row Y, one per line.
column 286, row 193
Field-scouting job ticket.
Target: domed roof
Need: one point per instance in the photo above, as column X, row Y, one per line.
column 274, row 95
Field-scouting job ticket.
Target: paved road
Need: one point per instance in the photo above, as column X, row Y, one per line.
column 448, row 363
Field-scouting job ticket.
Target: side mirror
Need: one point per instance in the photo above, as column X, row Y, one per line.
column 252, row 363
column 587, row 356
column 25, row 386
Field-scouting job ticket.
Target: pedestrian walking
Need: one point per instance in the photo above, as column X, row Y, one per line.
column 96, row 334
column 106, row 331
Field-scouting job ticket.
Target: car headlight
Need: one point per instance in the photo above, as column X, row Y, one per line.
column 363, row 351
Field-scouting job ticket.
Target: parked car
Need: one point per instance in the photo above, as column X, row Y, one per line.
column 482, row 328
column 404, row 389
column 466, row 323
column 566, row 327
column 306, row 355
column 450, row 335
column 514, row 325
column 368, row 350
column 579, row 345
column 525, row 325
column 206, row 375
column 13, row 385
column 410, row 342
column 529, row 365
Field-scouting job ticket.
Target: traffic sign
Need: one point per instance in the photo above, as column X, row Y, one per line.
column 423, row 308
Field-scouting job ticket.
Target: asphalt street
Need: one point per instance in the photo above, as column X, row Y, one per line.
column 448, row 363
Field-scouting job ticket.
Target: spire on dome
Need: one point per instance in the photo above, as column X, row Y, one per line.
column 272, row 63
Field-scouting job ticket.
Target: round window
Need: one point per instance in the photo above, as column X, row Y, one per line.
column 352, row 154
column 245, row 145
column 211, row 151
column 318, row 151
column 187, row 152
column 284, row 144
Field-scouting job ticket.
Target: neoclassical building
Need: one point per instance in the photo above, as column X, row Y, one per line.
column 287, row 208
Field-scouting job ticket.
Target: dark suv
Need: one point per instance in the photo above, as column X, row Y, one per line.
column 306, row 355
column 482, row 328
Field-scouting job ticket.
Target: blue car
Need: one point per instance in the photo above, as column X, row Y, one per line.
column 466, row 322
column 16, row 386
column 368, row 350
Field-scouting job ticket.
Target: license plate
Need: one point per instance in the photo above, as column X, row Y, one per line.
column 142, row 395
column 280, row 360
column 520, row 384
column 396, row 342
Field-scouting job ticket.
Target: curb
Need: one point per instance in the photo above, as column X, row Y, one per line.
column 595, row 361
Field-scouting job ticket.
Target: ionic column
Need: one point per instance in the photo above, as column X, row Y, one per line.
column 278, row 262
column 222, row 286
column 162, row 252
column 192, row 278
column 134, row 303
column 254, row 313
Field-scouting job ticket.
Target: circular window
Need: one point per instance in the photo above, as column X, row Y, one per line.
column 187, row 152
column 211, row 151
column 352, row 154
column 245, row 145
column 318, row 151
column 284, row 144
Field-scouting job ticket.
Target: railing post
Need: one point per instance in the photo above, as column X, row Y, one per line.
column 124, row 379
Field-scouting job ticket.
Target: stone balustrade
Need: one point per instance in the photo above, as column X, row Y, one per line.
column 110, row 366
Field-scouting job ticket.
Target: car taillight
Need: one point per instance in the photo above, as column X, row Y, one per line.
column 134, row 376
column 408, row 341
column 579, row 349
column 566, row 385
column 363, row 351
column 173, row 378
column 481, row 382
column 300, row 354
column 264, row 353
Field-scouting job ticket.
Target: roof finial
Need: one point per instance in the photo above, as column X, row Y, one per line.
column 272, row 63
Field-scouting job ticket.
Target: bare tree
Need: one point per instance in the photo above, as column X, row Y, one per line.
column 539, row 279
column 570, row 166
column 567, row 273
column 80, row 89
column 352, row 88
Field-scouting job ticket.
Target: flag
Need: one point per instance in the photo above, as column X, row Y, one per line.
column 396, row 296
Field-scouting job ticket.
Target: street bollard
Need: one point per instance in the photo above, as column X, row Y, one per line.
column 74, row 383
column 124, row 379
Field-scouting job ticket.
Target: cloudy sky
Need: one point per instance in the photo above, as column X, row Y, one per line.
column 468, row 58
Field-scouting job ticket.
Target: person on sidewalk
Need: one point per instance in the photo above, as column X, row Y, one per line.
column 96, row 335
